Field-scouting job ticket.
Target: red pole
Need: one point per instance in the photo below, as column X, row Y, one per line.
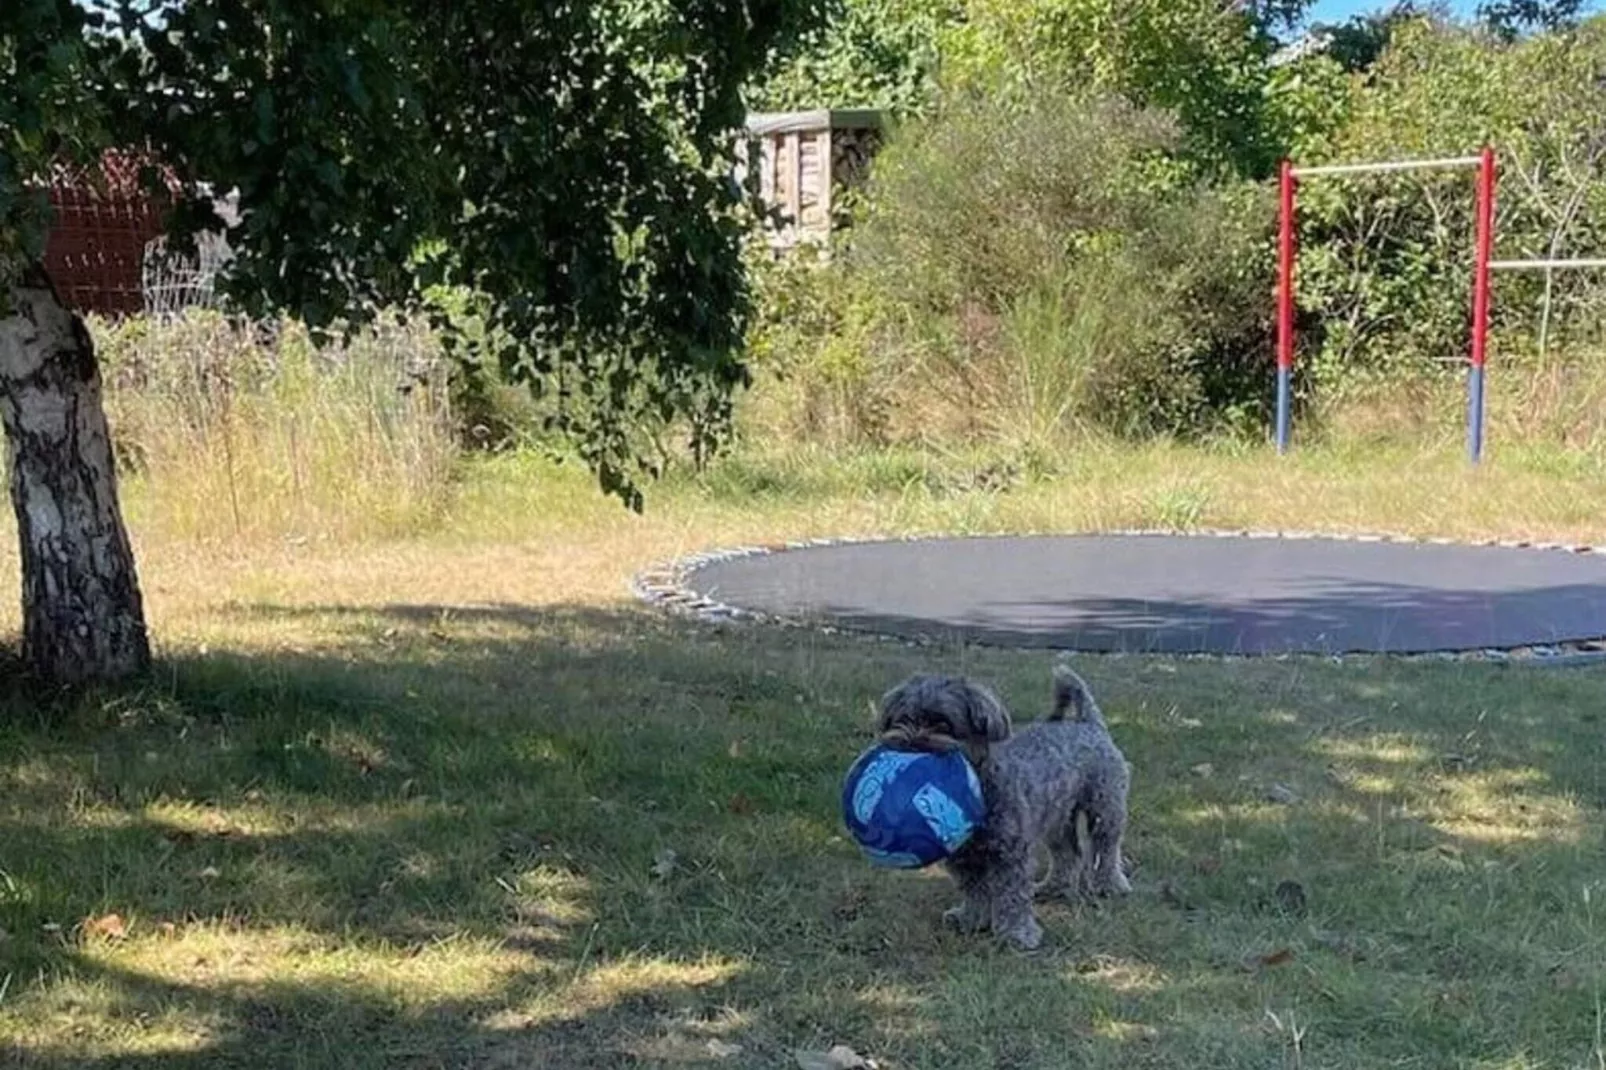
column 1285, row 300
column 1480, row 304
column 1480, row 278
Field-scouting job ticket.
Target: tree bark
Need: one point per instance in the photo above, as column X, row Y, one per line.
column 83, row 617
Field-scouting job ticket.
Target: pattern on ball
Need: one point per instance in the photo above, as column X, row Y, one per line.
column 908, row 809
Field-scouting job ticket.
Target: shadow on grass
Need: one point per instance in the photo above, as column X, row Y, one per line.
column 500, row 836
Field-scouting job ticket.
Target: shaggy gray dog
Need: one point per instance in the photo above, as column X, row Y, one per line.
column 1040, row 785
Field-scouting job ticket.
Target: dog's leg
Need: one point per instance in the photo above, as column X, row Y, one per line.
column 1009, row 894
column 972, row 914
column 1069, row 862
column 1108, row 828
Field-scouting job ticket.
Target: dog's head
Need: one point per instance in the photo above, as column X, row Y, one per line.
column 940, row 713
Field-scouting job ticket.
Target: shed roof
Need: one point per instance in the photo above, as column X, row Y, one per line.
column 789, row 122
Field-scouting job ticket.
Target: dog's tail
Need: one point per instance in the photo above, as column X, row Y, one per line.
column 1073, row 697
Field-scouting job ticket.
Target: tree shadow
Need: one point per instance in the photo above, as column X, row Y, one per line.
column 626, row 827
column 1338, row 617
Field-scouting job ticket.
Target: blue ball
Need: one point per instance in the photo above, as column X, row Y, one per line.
column 908, row 809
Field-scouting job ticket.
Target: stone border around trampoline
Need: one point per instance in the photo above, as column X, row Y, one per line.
column 665, row 586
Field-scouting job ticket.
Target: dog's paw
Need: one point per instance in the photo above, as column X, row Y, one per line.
column 1118, row 884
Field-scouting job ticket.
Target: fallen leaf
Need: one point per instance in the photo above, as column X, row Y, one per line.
column 739, row 804
column 721, row 1050
column 1281, row 957
column 210, row 873
column 664, row 864
column 110, row 926
column 1204, row 769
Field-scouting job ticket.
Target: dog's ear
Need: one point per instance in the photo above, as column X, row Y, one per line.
column 898, row 705
column 989, row 719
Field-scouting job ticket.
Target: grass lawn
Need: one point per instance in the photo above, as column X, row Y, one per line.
column 451, row 800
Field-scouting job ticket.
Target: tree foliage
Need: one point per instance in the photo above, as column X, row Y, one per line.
column 47, row 113
column 1359, row 41
column 1513, row 18
column 566, row 162
column 1387, row 260
column 1204, row 60
column 871, row 53
column 1201, row 60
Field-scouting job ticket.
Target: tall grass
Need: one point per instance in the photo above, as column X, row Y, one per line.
column 230, row 432
column 232, row 436
column 1549, row 409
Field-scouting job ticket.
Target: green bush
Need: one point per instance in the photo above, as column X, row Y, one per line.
column 1024, row 271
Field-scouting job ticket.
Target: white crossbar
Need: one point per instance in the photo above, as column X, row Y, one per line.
column 1541, row 265
column 1393, row 165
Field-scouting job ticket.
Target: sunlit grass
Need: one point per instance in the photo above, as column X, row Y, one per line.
column 444, row 831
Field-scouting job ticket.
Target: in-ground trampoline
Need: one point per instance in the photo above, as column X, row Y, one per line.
column 1165, row 594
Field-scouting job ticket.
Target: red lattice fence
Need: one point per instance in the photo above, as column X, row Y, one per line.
column 96, row 246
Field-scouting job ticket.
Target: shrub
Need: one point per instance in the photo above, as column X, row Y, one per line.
column 1025, row 270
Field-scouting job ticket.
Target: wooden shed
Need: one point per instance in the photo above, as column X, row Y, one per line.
column 791, row 148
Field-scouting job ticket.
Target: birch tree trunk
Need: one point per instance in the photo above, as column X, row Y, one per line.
column 83, row 618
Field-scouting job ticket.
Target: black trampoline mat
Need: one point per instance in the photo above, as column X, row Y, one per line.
column 1179, row 594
